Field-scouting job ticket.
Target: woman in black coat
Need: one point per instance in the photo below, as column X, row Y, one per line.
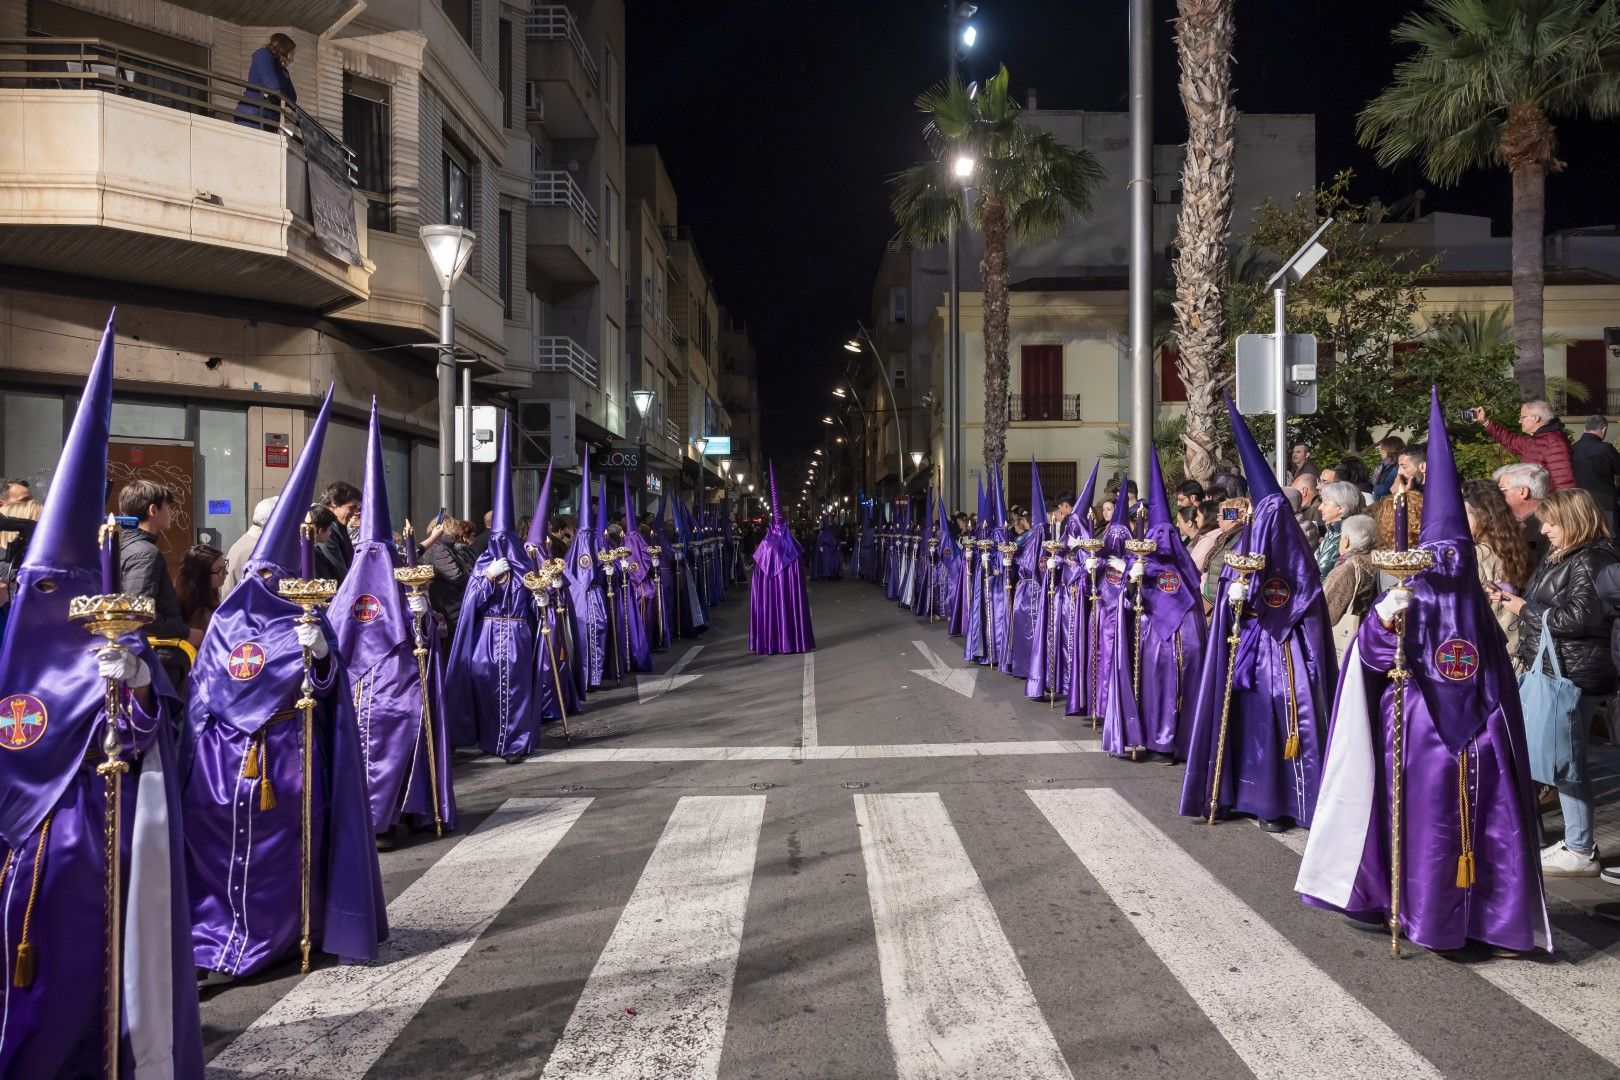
column 1563, row 596
column 446, row 550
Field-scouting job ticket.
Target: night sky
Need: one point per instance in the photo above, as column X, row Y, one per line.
column 779, row 123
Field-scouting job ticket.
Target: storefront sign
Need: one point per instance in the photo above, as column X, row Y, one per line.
column 277, row 453
column 215, row 506
column 619, row 459
column 655, row 484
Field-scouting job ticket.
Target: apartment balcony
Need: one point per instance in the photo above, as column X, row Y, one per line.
column 127, row 167
column 1037, row 408
column 565, row 354
column 564, row 232
column 564, row 68
column 315, row 16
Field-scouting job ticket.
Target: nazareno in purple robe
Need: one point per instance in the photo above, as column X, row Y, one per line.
column 587, row 594
column 52, row 809
column 1466, row 778
column 778, row 603
column 396, row 702
column 556, row 692
column 242, row 794
column 1112, row 630
column 828, row 564
column 1282, row 683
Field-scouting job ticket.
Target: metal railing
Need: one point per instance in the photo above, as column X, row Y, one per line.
column 55, row 63
column 554, row 22
column 1611, row 401
column 1043, row 407
column 558, row 189
column 566, row 354
column 672, row 432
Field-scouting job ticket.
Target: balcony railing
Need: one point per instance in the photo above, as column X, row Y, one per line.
column 53, row 63
column 554, row 22
column 1611, row 401
column 566, row 354
column 672, row 433
column 558, row 189
column 1043, row 407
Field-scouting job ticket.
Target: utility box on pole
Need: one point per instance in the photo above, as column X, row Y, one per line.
column 1256, row 373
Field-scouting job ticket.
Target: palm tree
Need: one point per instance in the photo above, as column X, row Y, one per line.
column 1204, row 30
column 1025, row 183
column 1482, row 90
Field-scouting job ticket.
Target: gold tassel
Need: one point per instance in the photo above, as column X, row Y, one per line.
column 1291, row 748
column 267, row 797
column 1465, row 861
column 1465, row 870
column 250, row 766
column 22, row 976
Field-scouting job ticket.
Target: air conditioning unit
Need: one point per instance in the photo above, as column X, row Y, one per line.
column 534, row 106
column 545, row 434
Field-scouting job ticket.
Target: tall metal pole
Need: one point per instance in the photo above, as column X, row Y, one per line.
column 1279, row 385
column 447, row 403
column 1141, row 283
column 952, row 383
column 466, row 442
column 899, row 432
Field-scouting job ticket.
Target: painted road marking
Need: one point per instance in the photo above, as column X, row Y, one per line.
column 338, row 1021
column 1572, row 990
column 673, row 955
column 957, row 680
column 809, row 739
column 586, row 755
column 1246, row 977
column 957, row 1003
column 652, row 687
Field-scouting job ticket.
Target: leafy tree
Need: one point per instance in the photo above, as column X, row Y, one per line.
column 1481, row 90
column 1025, row 184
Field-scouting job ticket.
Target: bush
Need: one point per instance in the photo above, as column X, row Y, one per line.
column 1478, row 459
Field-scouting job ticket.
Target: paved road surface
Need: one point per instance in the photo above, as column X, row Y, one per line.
column 843, row 866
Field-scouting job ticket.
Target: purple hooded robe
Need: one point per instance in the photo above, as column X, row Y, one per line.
column 778, row 605
column 243, row 788
column 52, row 808
column 828, row 564
column 556, row 692
column 587, row 592
column 1030, row 595
column 1466, row 778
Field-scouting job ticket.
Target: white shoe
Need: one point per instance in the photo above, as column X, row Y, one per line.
column 1560, row 861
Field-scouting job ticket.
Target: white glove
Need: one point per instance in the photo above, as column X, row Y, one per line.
column 1138, row 571
column 417, row 603
column 311, row 638
column 1093, row 564
column 497, row 570
column 1053, row 563
column 1237, row 593
column 1394, row 603
column 1116, row 563
column 115, row 663
column 543, row 598
column 1073, row 542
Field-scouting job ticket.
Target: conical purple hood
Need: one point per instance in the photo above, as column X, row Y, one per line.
column 658, row 522
column 1158, row 501
column 1037, row 498
column 601, row 508
column 375, row 522
column 1443, row 515
column 943, row 529
column 277, row 549
column 984, row 512
column 542, row 513
column 584, row 523
column 1078, row 523
column 502, row 520
column 629, row 517
column 1122, row 503
column 776, row 507
column 1256, row 470
column 65, row 538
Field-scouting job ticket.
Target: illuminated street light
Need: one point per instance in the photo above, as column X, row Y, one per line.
column 852, row 346
column 963, row 168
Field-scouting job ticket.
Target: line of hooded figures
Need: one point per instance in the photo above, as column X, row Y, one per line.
column 149, row 844
column 1401, row 746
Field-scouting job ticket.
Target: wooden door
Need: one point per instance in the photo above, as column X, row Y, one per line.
column 171, row 464
column 1588, row 364
column 1040, row 382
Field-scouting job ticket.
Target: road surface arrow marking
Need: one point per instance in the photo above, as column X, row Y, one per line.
column 959, row 680
column 652, row 687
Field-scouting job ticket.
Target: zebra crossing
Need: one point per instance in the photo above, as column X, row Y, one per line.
column 957, row 997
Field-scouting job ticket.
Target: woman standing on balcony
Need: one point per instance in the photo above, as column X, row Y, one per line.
column 268, row 72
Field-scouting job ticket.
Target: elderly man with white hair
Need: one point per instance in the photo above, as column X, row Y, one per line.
column 242, row 550
column 1543, row 441
column 1524, row 486
column 1336, row 501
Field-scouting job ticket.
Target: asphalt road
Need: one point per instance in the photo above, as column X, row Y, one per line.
column 838, row 867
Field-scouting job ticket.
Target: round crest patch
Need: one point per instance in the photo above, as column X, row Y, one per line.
column 1114, row 575
column 584, row 564
column 1457, row 659
column 1276, row 593
column 22, row 721
column 245, row 661
column 1169, row 581
column 366, row 608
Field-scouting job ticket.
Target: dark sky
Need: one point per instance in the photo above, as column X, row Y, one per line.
column 780, row 121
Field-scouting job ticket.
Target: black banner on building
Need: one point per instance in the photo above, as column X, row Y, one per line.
column 331, row 195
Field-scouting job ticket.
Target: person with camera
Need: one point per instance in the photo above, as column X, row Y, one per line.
column 1542, row 441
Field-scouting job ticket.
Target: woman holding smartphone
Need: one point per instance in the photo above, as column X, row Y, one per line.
column 1503, row 556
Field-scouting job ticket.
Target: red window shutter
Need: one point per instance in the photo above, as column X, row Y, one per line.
column 1041, row 381
column 1588, row 364
column 1171, row 388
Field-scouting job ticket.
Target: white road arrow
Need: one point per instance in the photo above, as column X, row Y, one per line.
column 650, row 687
column 959, row 680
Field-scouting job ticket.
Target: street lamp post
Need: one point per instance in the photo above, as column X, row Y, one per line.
column 854, row 345
column 701, row 444
column 959, row 30
column 643, row 400
column 1299, row 264
column 448, row 248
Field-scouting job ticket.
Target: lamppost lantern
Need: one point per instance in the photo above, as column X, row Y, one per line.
column 700, row 444
column 449, row 247
column 852, row 345
column 917, row 459
column 725, row 465
column 838, row 392
column 829, row 421
column 963, row 165
column 970, row 34
column 818, row 451
column 643, row 400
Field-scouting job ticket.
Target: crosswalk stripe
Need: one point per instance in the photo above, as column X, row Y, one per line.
column 655, row 1004
column 1246, row 977
column 1571, row 991
column 590, row 755
column 338, row 1021
column 958, row 1005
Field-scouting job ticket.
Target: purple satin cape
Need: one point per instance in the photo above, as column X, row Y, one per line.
column 490, row 677
column 778, row 604
column 828, row 564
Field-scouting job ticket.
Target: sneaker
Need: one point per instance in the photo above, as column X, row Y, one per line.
column 1611, row 874
column 1562, row 862
column 1273, row 825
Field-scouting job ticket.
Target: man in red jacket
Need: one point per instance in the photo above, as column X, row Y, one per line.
column 1543, row 442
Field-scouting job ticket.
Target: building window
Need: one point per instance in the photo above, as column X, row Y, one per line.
column 460, row 14
column 457, row 186
column 365, row 129
column 897, row 305
column 506, row 270
column 610, row 221
column 1170, row 385
column 506, row 72
column 897, row 370
column 1040, row 383
column 610, row 88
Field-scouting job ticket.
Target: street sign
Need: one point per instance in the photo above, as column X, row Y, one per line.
column 1257, row 373
column 620, row 458
column 718, row 446
column 486, row 430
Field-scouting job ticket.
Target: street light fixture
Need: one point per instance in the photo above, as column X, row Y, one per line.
column 963, row 166
column 700, row 443
column 449, row 247
column 852, row 345
column 838, row 392
column 917, row 460
column 1299, row 264
column 829, row 421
